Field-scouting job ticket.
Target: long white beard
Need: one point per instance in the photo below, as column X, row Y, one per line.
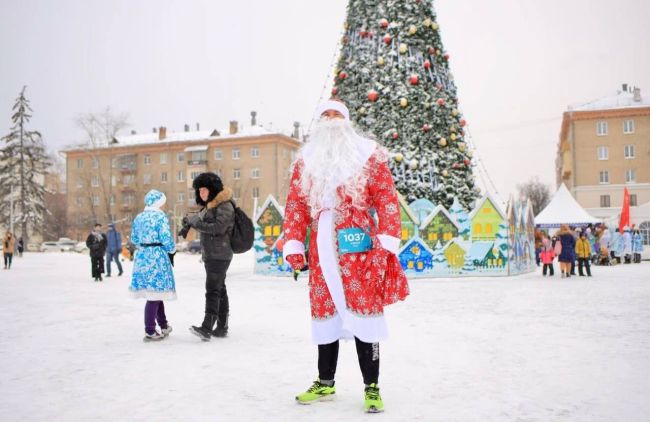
column 333, row 158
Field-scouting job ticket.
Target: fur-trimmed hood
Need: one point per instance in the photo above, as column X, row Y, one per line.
column 223, row 196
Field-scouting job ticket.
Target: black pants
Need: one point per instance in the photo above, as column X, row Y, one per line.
column 637, row 258
column 97, row 266
column 368, row 354
column 8, row 257
column 585, row 262
column 216, row 295
column 550, row 269
column 573, row 267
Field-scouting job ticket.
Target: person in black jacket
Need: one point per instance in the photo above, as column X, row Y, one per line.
column 96, row 243
column 214, row 222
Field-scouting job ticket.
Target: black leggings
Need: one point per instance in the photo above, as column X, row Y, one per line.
column 368, row 354
column 8, row 256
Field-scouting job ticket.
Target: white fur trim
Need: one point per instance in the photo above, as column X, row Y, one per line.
column 333, row 105
column 389, row 243
column 293, row 247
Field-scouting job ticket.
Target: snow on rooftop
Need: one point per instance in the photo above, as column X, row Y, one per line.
column 622, row 99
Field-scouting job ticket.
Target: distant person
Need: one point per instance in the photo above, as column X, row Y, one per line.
column 627, row 245
column 113, row 248
column 616, row 246
column 153, row 278
column 583, row 251
column 547, row 254
column 8, row 248
column 637, row 246
column 20, row 246
column 539, row 235
column 96, row 242
column 567, row 255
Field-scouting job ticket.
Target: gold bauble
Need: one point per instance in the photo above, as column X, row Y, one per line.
column 442, row 142
column 380, row 61
column 398, row 157
column 403, row 102
column 453, row 136
column 434, row 26
column 403, row 48
column 445, row 173
column 427, row 22
column 412, row 30
column 413, row 164
column 454, row 112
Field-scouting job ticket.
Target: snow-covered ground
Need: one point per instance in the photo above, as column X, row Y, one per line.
column 524, row 348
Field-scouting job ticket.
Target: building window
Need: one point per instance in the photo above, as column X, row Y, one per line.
column 628, row 126
column 180, row 197
column 80, row 182
column 163, row 177
column 604, row 201
column 236, row 193
column 180, row 157
column 114, row 162
column 629, row 151
column 235, row 153
column 146, row 179
column 256, row 192
column 630, row 176
column 128, row 179
column 180, row 176
column 111, row 201
column 113, row 180
column 94, row 181
column 603, row 153
column 236, row 174
column 604, row 177
column 80, row 163
column 633, row 200
column 255, row 152
column 95, row 200
column 644, row 229
column 147, row 159
column 255, row 173
column 218, row 154
column 163, row 158
column 95, row 162
column 195, row 174
column 601, row 128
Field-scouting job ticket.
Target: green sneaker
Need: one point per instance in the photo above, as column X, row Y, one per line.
column 316, row 392
column 373, row 403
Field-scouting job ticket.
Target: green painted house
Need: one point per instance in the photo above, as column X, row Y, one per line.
column 438, row 226
column 485, row 219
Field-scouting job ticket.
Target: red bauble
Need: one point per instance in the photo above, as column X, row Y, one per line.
column 342, row 75
column 466, row 161
column 455, row 165
column 363, row 34
column 440, row 101
column 413, row 79
column 383, row 23
column 373, row 95
column 334, row 91
column 427, row 64
column 446, row 56
column 395, row 135
column 387, row 39
column 462, row 123
column 426, row 128
column 432, row 51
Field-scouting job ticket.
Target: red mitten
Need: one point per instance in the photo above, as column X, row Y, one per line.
column 296, row 261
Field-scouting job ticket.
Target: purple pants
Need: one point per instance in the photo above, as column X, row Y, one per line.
column 154, row 310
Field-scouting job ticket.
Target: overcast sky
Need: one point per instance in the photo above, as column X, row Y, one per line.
column 517, row 65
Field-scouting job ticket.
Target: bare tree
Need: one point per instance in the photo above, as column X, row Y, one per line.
column 538, row 193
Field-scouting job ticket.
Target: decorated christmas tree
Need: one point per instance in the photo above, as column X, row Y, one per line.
column 393, row 74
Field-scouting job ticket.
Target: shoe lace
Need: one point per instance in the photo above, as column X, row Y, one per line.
column 316, row 386
column 372, row 393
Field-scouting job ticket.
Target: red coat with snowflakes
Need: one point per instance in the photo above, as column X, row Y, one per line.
column 371, row 280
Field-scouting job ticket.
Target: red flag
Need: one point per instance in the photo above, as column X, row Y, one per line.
column 625, row 212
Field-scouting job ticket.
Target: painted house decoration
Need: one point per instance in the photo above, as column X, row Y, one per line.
column 415, row 256
column 438, row 227
column 435, row 241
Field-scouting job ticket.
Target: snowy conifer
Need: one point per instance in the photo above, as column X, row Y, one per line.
column 393, row 74
column 23, row 162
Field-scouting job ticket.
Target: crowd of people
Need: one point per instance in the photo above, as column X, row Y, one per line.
column 586, row 245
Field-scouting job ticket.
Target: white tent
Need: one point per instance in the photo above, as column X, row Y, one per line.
column 563, row 209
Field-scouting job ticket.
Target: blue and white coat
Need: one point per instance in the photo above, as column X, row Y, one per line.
column 153, row 278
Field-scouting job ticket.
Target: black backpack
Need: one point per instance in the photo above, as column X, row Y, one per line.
column 243, row 232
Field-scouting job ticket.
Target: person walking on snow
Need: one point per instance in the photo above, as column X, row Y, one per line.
column 214, row 222
column 8, row 248
column 113, row 249
column 567, row 254
column 583, row 252
column 96, row 242
column 547, row 255
column 354, row 271
column 627, row 245
column 153, row 278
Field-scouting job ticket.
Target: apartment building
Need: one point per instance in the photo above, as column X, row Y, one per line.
column 604, row 147
column 108, row 183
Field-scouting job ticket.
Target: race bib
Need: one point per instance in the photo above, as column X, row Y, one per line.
column 354, row 240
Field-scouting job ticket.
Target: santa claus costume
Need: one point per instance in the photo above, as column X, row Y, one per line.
column 339, row 181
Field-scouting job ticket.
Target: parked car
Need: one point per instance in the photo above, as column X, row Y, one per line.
column 194, row 246
column 50, row 247
column 182, row 246
column 81, row 247
column 67, row 245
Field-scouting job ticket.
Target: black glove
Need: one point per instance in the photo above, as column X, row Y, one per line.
column 183, row 231
column 171, row 257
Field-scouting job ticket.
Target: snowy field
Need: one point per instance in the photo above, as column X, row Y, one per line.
column 524, row 348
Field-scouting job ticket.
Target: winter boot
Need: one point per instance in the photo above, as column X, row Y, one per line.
column 317, row 392
column 222, row 326
column 204, row 332
column 156, row 336
column 165, row 331
column 373, row 402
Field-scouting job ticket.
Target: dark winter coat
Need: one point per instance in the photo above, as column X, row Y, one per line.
column 97, row 247
column 215, row 222
column 114, row 241
column 568, row 247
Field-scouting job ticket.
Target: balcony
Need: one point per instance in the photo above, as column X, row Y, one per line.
column 197, row 162
column 126, row 188
column 128, row 170
column 126, row 207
